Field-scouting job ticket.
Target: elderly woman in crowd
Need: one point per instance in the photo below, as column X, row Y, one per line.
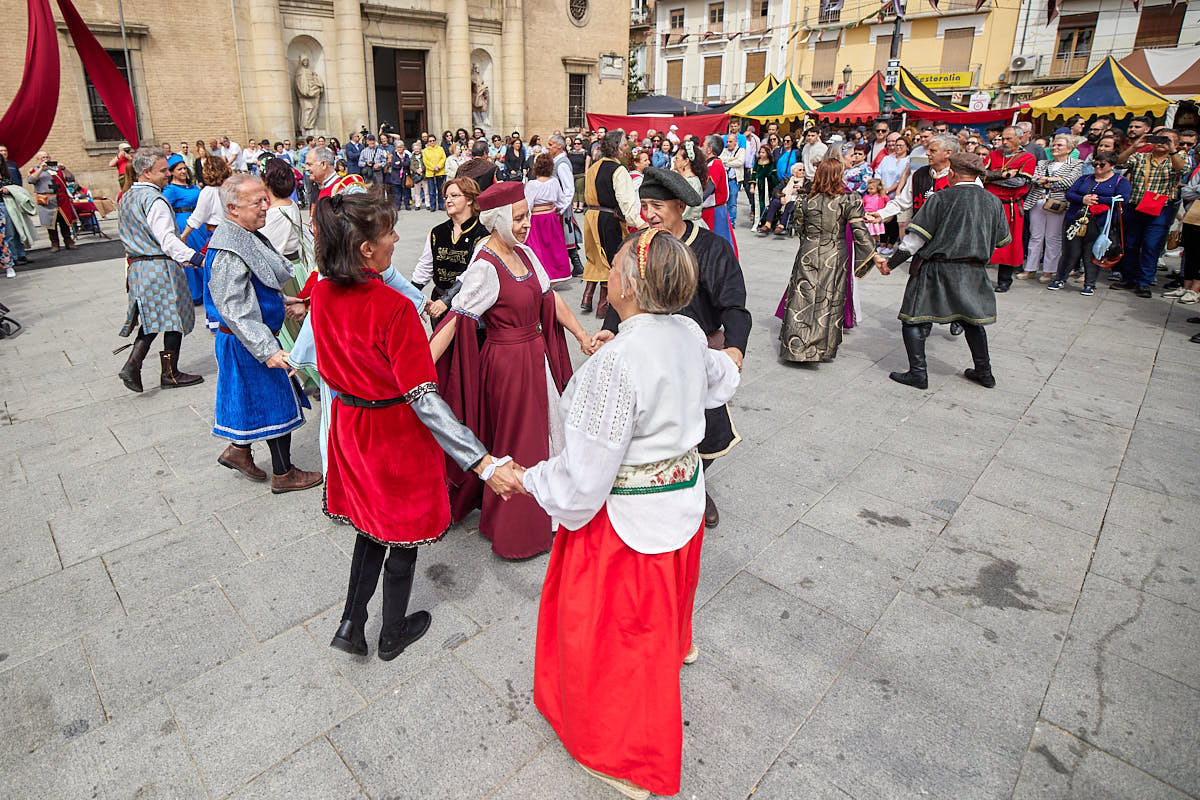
column 1045, row 206
column 627, row 494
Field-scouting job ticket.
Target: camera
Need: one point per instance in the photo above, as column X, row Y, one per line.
column 1152, row 139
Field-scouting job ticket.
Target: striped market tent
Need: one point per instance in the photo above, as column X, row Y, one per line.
column 1108, row 89
column 752, row 98
column 866, row 103
column 784, row 102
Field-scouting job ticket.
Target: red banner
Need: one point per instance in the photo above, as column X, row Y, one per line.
column 699, row 125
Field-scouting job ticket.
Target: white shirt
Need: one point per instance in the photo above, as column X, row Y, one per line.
column 734, row 159
column 566, row 178
column 208, row 209
column 811, row 155
column 161, row 222
column 641, row 399
column 903, row 201
column 284, row 228
column 540, row 192
column 232, row 154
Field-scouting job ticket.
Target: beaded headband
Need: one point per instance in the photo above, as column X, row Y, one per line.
column 643, row 247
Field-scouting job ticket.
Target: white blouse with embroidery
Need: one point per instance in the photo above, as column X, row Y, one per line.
column 640, row 400
column 481, row 284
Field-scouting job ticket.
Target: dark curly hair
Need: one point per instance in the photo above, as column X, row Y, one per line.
column 343, row 223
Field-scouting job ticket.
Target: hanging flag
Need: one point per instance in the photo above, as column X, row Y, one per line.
column 1052, row 10
column 109, row 82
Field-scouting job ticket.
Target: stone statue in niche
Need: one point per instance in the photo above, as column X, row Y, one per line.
column 309, row 88
column 480, row 98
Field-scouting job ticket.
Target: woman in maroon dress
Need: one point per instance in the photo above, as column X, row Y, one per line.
column 507, row 392
column 387, row 422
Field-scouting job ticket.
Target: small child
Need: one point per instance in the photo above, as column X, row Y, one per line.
column 873, row 200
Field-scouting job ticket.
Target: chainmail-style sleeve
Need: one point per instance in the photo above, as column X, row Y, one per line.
column 233, row 295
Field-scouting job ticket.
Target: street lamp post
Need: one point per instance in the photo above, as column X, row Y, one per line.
column 893, row 67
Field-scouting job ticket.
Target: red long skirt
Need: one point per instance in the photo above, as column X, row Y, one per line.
column 613, row 628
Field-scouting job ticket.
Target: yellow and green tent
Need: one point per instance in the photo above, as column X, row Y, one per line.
column 784, row 102
column 753, row 97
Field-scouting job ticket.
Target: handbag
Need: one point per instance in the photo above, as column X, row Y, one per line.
column 43, row 199
column 1077, row 228
column 408, row 182
column 1152, row 203
column 1107, row 253
column 1054, row 205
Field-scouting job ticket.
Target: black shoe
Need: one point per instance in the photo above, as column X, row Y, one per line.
column 917, row 381
column 1120, row 286
column 350, row 638
column 1143, row 292
column 1195, row 338
column 1171, row 284
column 1194, row 320
column 21, row 260
column 983, row 377
column 956, row 328
column 1001, row 288
column 712, row 517
column 415, row 626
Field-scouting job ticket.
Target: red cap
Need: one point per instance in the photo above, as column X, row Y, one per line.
column 503, row 193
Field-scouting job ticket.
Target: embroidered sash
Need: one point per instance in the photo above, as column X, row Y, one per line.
column 668, row 475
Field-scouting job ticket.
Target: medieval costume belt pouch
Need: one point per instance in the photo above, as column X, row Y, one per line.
column 668, row 475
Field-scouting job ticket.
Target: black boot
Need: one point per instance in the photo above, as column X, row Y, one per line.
column 576, row 266
column 365, row 564
column 131, row 373
column 399, row 628
column 914, row 343
column 589, row 289
column 350, row 638
column 171, row 376
column 602, row 302
column 976, row 338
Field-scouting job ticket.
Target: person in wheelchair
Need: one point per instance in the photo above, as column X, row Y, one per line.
column 778, row 212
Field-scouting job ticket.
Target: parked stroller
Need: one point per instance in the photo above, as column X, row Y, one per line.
column 8, row 325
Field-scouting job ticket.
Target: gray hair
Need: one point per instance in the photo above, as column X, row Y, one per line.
column 610, row 145
column 231, row 190
column 948, row 142
column 671, row 273
column 1024, row 127
column 144, row 158
column 322, row 154
column 714, row 143
column 558, row 139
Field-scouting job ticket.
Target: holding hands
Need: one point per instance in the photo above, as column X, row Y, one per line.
column 501, row 476
column 873, row 217
column 881, row 264
column 295, row 308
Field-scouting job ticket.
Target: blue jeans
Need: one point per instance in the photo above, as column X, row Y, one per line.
column 11, row 235
column 1144, row 237
column 731, row 204
column 438, row 202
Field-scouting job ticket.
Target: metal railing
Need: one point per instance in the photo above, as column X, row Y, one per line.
column 826, row 85
column 639, row 15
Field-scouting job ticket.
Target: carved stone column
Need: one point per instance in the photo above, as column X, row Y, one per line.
column 458, row 62
column 512, row 61
column 351, row 88
column 270, row 113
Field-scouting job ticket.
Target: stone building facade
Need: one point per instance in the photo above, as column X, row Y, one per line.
column 259, row 70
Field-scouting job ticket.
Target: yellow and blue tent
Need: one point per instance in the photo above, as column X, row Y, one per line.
column 1109, row 88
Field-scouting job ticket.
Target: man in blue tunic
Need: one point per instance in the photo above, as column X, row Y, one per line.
column 257, row 400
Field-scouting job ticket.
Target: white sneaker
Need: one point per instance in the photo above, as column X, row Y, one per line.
column 693, row 654
column 1180, row 292
column 1190, row 297
column 10, row 273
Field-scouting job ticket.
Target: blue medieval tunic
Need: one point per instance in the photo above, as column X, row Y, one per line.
column 183, row 202
column 254, row 402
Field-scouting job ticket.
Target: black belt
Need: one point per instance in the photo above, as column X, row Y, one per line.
column 148, row 258
column 185, row 210
column 600, row 208
column 223, row 329
column 358, row 402
column 942, row 260
column 292, row 256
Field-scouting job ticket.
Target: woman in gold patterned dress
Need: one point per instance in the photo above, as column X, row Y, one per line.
column 816, row 296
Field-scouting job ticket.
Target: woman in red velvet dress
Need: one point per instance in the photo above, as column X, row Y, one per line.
column 388, row 425
column 507, row 392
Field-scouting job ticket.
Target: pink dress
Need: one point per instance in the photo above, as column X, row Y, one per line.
column 546, row 239
column 874, row 202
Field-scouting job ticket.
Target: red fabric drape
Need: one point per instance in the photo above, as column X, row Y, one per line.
column 109, row 82
column 29, row 117
column 27, row 122
column 699, row 125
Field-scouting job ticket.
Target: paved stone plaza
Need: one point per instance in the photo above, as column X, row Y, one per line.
column 954, row 593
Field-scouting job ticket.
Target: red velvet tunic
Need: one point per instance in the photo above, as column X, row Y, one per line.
column 1011, row 254
column 385, row 474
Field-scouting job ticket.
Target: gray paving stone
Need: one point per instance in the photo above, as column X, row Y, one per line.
column 140, row 756
column 1158, row 567
column 314, row 772
column 251, row 712
column 194, row 498
column 1139, row 627
column 727, row 550
column 69, row 454
column 140, row 657
column 925, row 750
column 788, row 779
column 815, row 567
column 935, row 491
column 30, row 556
column 1102, row 698
column 782, row 646
column 1171, row 519
column 1060, row 765
column 372, row 677
column 1164, row 458
column 771, row 506
column 1087, row 406
column 552, row 773
column 952, row 437
column 288, row 586
column 103, row 526
column 48, row 700
column 880, row 526
column 161, row 565
column 1084, row 379
column 174, row 424
column 724, row 755
column 267, row 522
column 38, row 615
column 1055, row 499
column 119, row 477
column 443, row 716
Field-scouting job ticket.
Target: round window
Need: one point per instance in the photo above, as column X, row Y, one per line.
column 578, row 10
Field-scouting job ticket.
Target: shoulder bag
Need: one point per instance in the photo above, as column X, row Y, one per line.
column 1107, row 253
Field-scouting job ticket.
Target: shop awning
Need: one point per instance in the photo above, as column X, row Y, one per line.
column 1108, row 89
column 663, row 106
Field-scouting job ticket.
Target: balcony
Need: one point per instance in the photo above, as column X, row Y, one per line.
column 640, row 17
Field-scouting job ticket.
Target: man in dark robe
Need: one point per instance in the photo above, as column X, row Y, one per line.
column 718, row 307
column 955, row 231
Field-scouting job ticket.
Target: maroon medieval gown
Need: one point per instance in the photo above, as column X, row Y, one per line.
column 500, row 392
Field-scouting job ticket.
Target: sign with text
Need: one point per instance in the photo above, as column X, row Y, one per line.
column 945, row 80
column 979, row 102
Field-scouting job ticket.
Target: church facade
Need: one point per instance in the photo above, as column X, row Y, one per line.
column 282, row 68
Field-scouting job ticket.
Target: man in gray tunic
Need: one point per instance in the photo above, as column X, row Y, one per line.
column 159, row 297
column 51, row 214
column 955, row 231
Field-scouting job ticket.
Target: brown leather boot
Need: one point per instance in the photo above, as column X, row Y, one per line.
column 70, row 242
column 589, row 289
column 241, row 459
column 712, row 517
column 171, row 376
column 602, row 303
column 294, row 480
column 131, row 373
column 53, row 234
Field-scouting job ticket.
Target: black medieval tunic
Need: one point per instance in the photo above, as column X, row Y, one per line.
column 719, row 308
column 962, row 226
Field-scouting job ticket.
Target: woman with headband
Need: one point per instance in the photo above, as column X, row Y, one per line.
column 627, row 491
column 506, row 391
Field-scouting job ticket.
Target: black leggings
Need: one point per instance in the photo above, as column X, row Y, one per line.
column 172, row 340
column 281, row 453
column 1077, row 255
column 1191, row 252
column 365, row 566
